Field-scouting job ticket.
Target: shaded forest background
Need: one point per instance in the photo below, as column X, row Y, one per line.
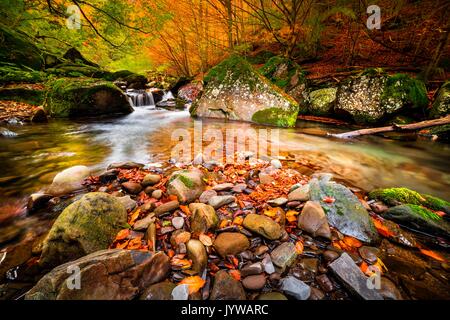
column 187, row 37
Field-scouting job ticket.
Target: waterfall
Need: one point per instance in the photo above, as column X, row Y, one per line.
column 168, row 95
column 140, row 98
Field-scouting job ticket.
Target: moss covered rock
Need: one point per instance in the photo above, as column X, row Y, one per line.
column 70, row 69
column 236, row 91
column 321, row 102
column 373, row 96
column 85, row 97
column 13, row 74
column 30, row 96
column 87, row 225
column 187, row 185
column 441, row 105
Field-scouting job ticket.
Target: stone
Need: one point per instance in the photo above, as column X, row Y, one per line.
column 263, row 226
column 255, row 282
column 265, row 178
column 125, row 165
column 187, row 185
column 310, row 264
column 180, row 292
column 178, row 222
column 179, row 236
column 353, row 278
column 271, row 296
column 206, row 195
column 330, row 255
column 127, row 202
column 369, row 254
column 132, row 187
column 150, row 180
column 167, row 207
column 316, row 294
column 85, row 226
column 295, row 288
column 378, row 207
column 267, row 263
column 69, row 180
column 299, row 194
column 276, row 164
column 108, row 176
column 148, row 207
column 239, row 188
column 197, row 253
column 157, row 194
column 325, row 283
column 313, row 220
column 252, row 269
column 388, row 290
column 278, row 202
column 231, row 243
column 143, row 224
column 39, row 116
column 223, row 186
column 284, row 255
column 219, row 201
column 225, row 287
column 259, row 251
column 158, row 291
column 322, row 101
column 441, row 105
column 203, row 217
column 236, row 91
column 346, row 213
column 37, row 201
column 112, row 274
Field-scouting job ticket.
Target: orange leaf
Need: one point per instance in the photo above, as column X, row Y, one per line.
column 223, row 223
column 382, row 229
column 328, row 199
column 238, row 220
column 181, row 263
column 173, row 197
column 235, row 274
column 186, row 210
column 195, row 283
column 299, row 247
column 432, row 254
column 123, row 234
column 134, row 244
column 352, row 242
column 205, row 240
column 291, row 215
column 123, row 245
column 134, row 216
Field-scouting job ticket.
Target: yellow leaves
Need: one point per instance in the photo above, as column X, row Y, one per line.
column 123, row 234
column 291, row 215
column 206, row 240
column 377, row 267
column 299, row 247
column 134, row 244
column 352, row 242
column 382, row 229
column 134, row 216
column 271, row 212
column 238, row 220
column 276, row 213
column 224, row 223
column 195, row 283
column 179, row 263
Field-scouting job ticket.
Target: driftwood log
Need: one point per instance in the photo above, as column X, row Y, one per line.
column 398, row 128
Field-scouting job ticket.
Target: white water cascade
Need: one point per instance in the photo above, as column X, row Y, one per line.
column 140, row 98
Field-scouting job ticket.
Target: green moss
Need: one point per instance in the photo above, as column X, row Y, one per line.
column 282, row 78
column 77, row 70
column 423, row 212
column 186, row 181
column 230, row 70
column 34, row 97
column 12, row 74
column 392, row 195
column 403, row 88
column 441, row 105
column 435, row 203
column 261, row 57
column 276, row 116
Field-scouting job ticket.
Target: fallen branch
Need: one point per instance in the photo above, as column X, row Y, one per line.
column 394, row 127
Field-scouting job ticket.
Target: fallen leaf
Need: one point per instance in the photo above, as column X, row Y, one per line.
column 299, row 247
column 186, row 210
column 291, row 215
column 382, row 229
column 206, row 240
column 195, row 283
column 432, row 254
column 238, row 220
column 235, row 274
column 134, row 216
column 123, row 234
column 134, row 244
column 180, row 263
column 352, row 242
column 328, row 199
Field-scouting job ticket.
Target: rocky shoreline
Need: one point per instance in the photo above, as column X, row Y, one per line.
column 253, row 230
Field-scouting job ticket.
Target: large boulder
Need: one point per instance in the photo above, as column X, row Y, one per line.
column 187, row 185
column 236, row 91
column 69, row 180
column 346, row 213
column 322, row 101
column 441, row 105
column 73, row 98
column 373, row 97
column 114, row 274
column 14, row 74
column 87, row 225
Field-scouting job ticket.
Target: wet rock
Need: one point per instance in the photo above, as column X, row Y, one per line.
column 378, row 207
column 187, row 185
column 39, row 116
column 239, row 188
column 267, row 263
column 14, row 255
column 271, row 296
column 313, row 220
column 284, row 255
column 278, row 202
column 179, row 236
column 180, row 292
column 316, row 294
column 299, row 194
column 167, row 207
column 127, row 202
column 325, row 283
column 125, row 165
column 157, row 194
column 178, row 222
column 352, row 277
column 69, row 180
column 148, row 207
column 369, row 254
column 259, row 251
column 231, row 243
column 388, row 290
column 310, row 264
column 108, row 176
column 263, row 226
column 143, row 224
column 223, row 186
column 219, row 201
column 322, row 101
column 203, row 217
column 206, row 195
column 252, row 269
column 226, row 287
column 87, row 225
column 151, row 179
column 132, row 187
column 158, row 291
column 113, row 274
column 330, row 255
column 276, row 164
column 346, row 213
column 295, row 288
column 197, row 253
column 37, row 201
column 441, row 105
column 254, row 282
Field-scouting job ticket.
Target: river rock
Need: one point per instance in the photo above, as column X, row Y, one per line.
column 157, row 194
column 263, row 226
column 325, row 283
column 37, row 201
column 112, row 274
column 178, row 237
column 352, row 277
column 226, row 287
column 85, row 226
column 299, row 194
column 197, row 253
column 159, row 291
column 69, row 180
column 276, row 163
column 441, row 105
column 167, row 207
column 223, row 186
column 313, row 220
column 231, row 243
column 127, row 202
column 143, row 224
column 132, row 187
column 108, row 176
column 206, row 195
column 219, row 201
column 125, row 165
column 267, row 263
column 284, row 255
column 180, row 292
column 187, row 185
column 271, row 296
column 178, row 222
column 203, row 217
column 252, row 269
column 322, row 101
column 255, row 282
column 369, row 254
column 151, row 179
column 278, row 202
column 346, row 213
column 295, row 288
column 330, row 255
column 388, row 290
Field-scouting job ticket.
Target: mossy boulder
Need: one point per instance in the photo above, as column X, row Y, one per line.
column 10, row 73
column 395, row 196
column 75, row 56
column 85, row 97
column 419, row 218
column 321, row 102
column 236, row 91
column 70, row 69
column 17, row 48
column 187, row 185
column 441, row 105
column 373, row 96
column 30, row 96
column 87, row 225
